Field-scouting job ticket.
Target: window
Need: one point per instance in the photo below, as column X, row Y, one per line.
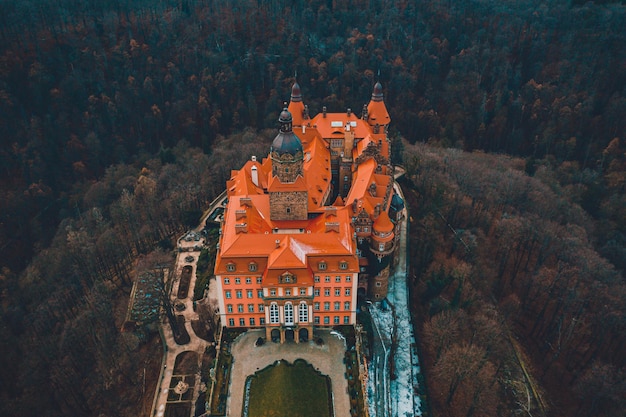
column 337, row 305
column 259, row 280
column 303, row 313
column 288, row 208
column 316, row 278
column 229, row 308
column 321, row 266
column 366, row 229
column 252, row 267
column 316, row 306
column 237, row 280
column 337, row 279
column 242, row 322
column 316, row 291
column 326, row 278
column 378, row 284
column 259, row 293
column 326, row 306
column 302, row 291
column 262, row 321
column 347, row 291
column 288, row 314
column 274, row 313
column 248, row 280
column 343, row 264
column 227, row 294
column 240, row 308
column 346, row 306
column 250, row 308
column 231, row 322
column 348, row 278
column 326, row 320
column 337, row 291
column 273, row 292
column 261, row 308
column 288, row 291
column 252, row 321
column 230, row 267
column 346, row 320
column 336, row 319
column 226, row 281
column 250, row 293
column 316, row 320
column 381, row 247
column 327, row 292
column 238, row 293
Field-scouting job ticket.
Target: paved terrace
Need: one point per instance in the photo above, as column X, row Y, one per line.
column 328, row 359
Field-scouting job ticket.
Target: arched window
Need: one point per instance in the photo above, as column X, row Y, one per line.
column 273, row 313
column 288, row 314
column 303, row 313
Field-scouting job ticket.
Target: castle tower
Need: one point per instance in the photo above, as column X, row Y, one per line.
column 287, row 188
column 377, row 115
column 297, row 108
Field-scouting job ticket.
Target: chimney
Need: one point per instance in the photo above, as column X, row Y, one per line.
column 255, row 174
column 277, row 242
column 324, row 111
column 332, row 227
column 349, row 112
column 241, row 228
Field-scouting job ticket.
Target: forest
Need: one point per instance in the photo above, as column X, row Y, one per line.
column 121, row 120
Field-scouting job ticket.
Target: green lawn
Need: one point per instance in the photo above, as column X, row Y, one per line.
column 284, row 389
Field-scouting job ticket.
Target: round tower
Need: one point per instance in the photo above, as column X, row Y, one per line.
column 377, row 115
column 286, row 151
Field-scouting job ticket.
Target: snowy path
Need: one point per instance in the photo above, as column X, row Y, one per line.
column 400, row 391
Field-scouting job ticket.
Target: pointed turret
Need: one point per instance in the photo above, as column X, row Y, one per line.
column 297, row 107
column 376, row 110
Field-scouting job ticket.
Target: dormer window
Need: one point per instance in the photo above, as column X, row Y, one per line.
column 343, row 265
column 252, row 267
column 230, row 267
column 287, row 278
column 321, row 266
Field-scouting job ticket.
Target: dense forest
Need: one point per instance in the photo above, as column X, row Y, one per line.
column 120, row 120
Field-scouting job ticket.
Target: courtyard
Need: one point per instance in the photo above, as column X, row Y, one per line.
column 326, row 358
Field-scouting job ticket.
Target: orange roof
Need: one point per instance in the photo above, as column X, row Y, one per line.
column 334, row 125
column 383, row 223
column 376, row 109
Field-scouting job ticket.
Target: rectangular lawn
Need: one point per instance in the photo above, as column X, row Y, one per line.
column 284, row 389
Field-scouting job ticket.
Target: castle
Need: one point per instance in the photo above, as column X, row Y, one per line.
column 311, row 226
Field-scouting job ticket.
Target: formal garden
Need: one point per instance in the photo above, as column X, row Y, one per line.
column 282, row 389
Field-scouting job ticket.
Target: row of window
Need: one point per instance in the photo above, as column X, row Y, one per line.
column 303, row 313
column 317, row 278
column 336, row 305
column 323, row 265
column 239, row 294
column 288, row 292
column 346, row 291
column 240, row 308
column 260, row 308
column 253, row 267
column 316, row 320
column 259, row 280
column 242, row 321
column 231, row 267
